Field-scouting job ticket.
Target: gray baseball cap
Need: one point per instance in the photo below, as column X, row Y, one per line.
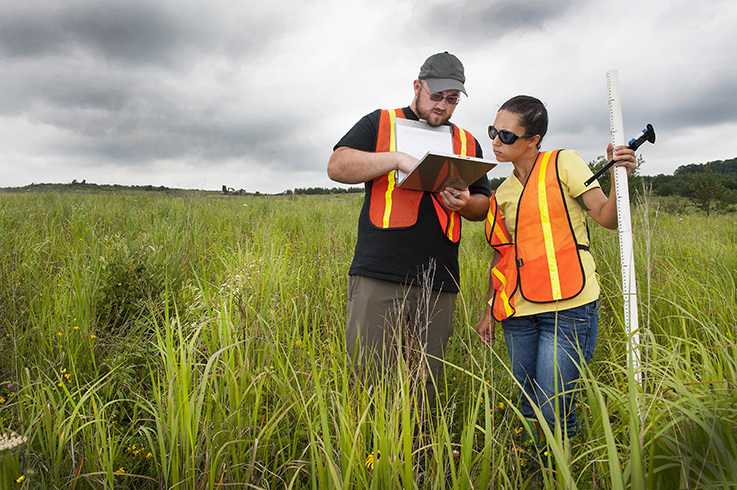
column 443, row 71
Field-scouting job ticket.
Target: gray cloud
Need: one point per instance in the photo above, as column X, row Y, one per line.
column 132, row 125
column 684, row 105
column 140, row 141
column 129, row 32
column 134, row 32
column 477, row 20
column 116, row 78
column 143, row 124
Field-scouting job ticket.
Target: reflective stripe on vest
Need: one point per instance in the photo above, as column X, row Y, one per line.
column 392, row 175
column 545, row 222
column 394, row 207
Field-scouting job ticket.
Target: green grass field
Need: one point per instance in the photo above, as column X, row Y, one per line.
column 196, row 342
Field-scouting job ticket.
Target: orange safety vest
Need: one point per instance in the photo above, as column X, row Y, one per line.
column 393, row 207
column 503, row 274
column 543, row 261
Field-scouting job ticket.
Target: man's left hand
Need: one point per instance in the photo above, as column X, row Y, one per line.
column 454, row 199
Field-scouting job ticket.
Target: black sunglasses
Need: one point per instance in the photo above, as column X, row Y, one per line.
column 435, row 97
column 506, row 137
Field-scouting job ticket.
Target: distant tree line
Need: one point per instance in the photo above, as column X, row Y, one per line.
column 325, row 190
column 84, row 186
column 708, row 186
column 722, row 171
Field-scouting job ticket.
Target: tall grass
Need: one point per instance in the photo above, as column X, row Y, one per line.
column 197, row 342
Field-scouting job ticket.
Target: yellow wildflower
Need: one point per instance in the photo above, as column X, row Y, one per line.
column 370, row 460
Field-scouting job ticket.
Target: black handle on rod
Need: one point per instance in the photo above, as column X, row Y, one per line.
column 647, row 134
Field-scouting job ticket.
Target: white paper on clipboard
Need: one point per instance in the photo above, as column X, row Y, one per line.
column 416, row 138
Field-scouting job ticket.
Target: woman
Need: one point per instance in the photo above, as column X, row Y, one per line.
column 543, row 286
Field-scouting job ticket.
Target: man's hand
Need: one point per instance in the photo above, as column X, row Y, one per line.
column 351, row 166
column 473, row 207
column 455, row 199
column 404, row 162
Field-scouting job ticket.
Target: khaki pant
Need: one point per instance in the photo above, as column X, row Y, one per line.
column 382, row 316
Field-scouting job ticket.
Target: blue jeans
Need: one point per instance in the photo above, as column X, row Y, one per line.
column 542, row 345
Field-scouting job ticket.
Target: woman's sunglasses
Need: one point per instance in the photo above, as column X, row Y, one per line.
column 506, row 137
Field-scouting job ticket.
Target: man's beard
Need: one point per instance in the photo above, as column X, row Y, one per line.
column 426, row 113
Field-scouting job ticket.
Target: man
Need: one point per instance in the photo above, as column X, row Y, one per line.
column 406, row 256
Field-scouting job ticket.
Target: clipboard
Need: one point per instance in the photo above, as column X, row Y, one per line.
column 436, row 171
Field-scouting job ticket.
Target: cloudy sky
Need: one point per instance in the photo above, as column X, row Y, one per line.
column 253, row 95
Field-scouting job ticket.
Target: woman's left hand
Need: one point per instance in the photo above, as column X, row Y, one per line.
column 454, row 199
column 625, row 157
column 487, row 328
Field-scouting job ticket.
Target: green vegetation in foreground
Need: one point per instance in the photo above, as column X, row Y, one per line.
column 150, row 342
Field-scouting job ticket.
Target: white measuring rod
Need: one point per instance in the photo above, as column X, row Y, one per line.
column 626, row 250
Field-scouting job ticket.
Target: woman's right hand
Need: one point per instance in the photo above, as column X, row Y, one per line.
column 486, row 327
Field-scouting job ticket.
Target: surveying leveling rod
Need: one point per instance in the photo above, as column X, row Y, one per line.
column 626, row 250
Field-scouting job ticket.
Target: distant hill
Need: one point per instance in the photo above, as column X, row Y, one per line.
column 85, row 187
column 91, row 188
column 717, row 166
column 680, row 183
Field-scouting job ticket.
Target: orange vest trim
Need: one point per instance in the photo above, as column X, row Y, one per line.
column 393, row 207
column 543, row 261
column 505, row 285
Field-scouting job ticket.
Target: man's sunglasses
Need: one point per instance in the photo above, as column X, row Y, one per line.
column 435, row 97
column 506, row 137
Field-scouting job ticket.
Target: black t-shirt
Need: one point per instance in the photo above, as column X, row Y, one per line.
column 404, row 254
